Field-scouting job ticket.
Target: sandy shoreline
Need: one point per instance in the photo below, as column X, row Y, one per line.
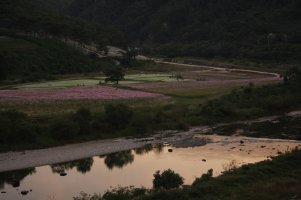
column 34, row 158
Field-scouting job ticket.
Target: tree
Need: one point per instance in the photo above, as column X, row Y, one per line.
column 114, row 74
column 179, row 77
column 293, row 76
column 167, row 180
column 132, row 52
column 129, row 56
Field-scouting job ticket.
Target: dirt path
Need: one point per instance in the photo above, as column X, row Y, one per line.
column 223, row 69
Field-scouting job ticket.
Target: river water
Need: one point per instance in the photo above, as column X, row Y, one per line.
column 136, row 167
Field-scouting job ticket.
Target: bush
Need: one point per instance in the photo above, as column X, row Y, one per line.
column 204, row 178
column 118, row 116
column 4, row 129
column 16, row 128
column 83, row 118
column 124, row 193
column 63, row 129
column 167, row 180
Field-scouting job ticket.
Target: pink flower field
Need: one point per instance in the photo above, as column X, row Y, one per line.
column 100, row 92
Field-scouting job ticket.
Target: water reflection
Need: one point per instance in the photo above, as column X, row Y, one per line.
column 83, row 166
column 144, row 150
column 119, row 160
column 96, row 175
column 158, row 148
column 14, row 178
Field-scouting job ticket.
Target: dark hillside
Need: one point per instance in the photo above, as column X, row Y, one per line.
column 36, row 43
column 258, row 29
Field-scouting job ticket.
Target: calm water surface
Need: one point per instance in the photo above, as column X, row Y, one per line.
column 135, row 167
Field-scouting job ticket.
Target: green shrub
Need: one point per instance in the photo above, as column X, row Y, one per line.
column 83, row 119
column 124, row 193
column 205, row 177
column 118, row 116
column 63, row 129
column 16, row 128
column 167, row 180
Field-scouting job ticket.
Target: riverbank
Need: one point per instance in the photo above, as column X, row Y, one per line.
column 34, row 158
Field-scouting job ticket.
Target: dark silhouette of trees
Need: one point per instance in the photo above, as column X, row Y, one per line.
column 114, row 74
column 16, row 127
column 293, row 76
column 83, row 118
column 118, row 116
column 204, row 28
column 167, row 180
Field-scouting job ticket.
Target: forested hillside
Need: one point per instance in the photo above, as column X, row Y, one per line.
column 258, row 29
column 36, row 43
column 27, row 17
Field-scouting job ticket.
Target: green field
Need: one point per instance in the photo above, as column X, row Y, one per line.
column 129, row 79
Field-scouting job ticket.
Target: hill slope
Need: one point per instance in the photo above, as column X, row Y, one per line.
column 36, row 43
column 259, row 29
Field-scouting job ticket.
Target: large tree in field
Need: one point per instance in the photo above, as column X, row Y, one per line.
column 114, row 74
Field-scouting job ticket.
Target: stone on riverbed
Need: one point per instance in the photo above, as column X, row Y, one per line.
column 63, row 174
column 24, row 192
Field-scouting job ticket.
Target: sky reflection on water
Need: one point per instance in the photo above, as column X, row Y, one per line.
column 133, row 167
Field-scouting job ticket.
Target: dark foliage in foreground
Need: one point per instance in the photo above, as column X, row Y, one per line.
column 167, row 180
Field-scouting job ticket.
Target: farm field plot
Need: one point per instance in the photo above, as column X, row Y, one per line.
column 157, row 78
column 161, row 87
column 200, row 91
column 84, row 93
column 197, row 86
column 208, row 75
column 60, row 84
column 128, row 79
column 151, row 77
column 54, row 108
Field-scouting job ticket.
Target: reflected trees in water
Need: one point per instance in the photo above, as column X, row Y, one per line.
column 158, row 148
column 14, row 178
column 144, row 150
column 119, row 160
column 83, row 166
